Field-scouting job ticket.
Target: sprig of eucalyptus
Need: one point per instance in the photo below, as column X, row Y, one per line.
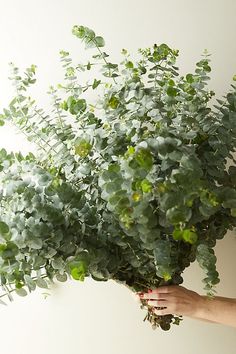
column 129, row 181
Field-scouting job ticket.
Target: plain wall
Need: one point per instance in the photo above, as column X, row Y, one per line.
column 95, row 317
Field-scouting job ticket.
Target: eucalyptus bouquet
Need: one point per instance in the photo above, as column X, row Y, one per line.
column 129, row 181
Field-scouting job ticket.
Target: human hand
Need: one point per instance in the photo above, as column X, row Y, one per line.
column 174, row 299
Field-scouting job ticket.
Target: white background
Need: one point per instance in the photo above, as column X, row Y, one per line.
column 103, row 318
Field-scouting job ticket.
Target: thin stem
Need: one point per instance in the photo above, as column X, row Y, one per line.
column 22, row 131
column 57, row 109
column 106, row 62
column 26, row 118
column 40, row 137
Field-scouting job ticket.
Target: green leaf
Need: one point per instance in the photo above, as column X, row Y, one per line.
column 83, row 148
column 96, row 83
column 190, row 236
column 61, row 277
column 117, row 196
column 41, row 283
column 190, row 78
column 146, row 186
column 29, row 282
column 206, row 210
column 38, row 262
column 78, row 268
column 162, row 256
column 136, row 197
column 44, row 180
column 178, row 214
column 207, row 261
column 76, row 106
column 78, row 272
column 4, row 229
column 88, row 67
column 58, row 263
column 144, row 158
column 83, row 33
column 191, row 162
column 186, row 235
column 113, row 186
column 129, row 65
column 169, row 199
column 171, row 91
column 35, row 243
column 99, row 41
column 64, row 105
column 113, row 102
column 164, row 145
column 21, row 292
column 230, row 203
column 78, row 31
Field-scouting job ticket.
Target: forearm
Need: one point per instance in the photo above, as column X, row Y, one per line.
column 218, row 310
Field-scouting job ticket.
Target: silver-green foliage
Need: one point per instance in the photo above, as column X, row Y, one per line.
column 130, row 185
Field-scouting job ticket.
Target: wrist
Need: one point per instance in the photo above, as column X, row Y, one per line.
column 202, row 307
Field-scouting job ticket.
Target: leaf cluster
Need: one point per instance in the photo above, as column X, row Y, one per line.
column 130, row 186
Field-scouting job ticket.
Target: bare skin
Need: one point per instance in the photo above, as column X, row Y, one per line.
column 181, row 301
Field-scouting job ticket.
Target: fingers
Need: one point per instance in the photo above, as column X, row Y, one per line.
column 155, row 296
column 165, row 289
column 160, row 293
column 158, row 303
column 162, row 308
